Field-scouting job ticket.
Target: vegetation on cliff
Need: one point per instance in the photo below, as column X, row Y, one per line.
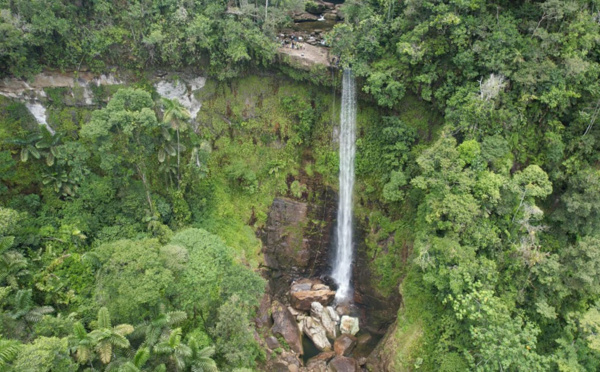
column 128, row 239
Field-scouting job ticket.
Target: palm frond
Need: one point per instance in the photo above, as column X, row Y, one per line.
column 123, row 329
column 104, row 318
column 176, row 317
column 8, row 351
column 104, row 348
column 141, row 356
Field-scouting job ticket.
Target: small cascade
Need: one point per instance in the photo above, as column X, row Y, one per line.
column 342, row 268
column 39, row 113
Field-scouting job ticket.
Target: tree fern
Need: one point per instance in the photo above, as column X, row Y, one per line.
column 106, row 337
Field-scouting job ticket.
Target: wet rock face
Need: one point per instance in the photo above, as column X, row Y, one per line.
column 377, row 311
column 284, row 324
column 296, row 239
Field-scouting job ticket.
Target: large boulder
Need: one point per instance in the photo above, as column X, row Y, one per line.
column 302, row 295
column 285, row 325
column 324, row 316
column 349, row 325
column 315, row 331
column 344, row 345
column 342, row 364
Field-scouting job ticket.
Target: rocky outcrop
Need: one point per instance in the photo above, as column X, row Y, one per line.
column 296, row 237
column 316, row 332
column 342, row 364
column 307, row 291
column 284, row 324
column 349, row 325
column 263, row 317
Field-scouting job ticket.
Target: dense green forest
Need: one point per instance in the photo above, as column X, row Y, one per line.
column 129, row 239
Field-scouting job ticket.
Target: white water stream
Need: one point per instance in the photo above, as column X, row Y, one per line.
column 342, row 268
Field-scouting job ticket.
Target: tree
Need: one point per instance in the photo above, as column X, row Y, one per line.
column 106, row 337
column 132, row 281
column 233, row 335
column 201, row 359
column 177, row 351
column 45, row 354
column 160, row 326
column 24, row 309
column 81, row 343
column 177, row 116
column 124, row 134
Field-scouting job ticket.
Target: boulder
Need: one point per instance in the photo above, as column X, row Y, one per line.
column 284, row 324
column 272, row 343
column 316, row 366
column 302, row 298
column 325, row 356
column 342, row 364
column 319, row 363
column 285, row 362
column 316, row 332
column 362, row 361
column 349, row 325
column 344, row 345
column 333, row 314
column 316, row 309
column 329, row 324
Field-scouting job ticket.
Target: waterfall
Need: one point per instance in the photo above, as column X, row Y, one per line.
column 342, row 268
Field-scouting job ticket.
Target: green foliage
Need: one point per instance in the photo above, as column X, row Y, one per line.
column 234, row 336
column 45, row 354
column 132, row 280
column 214, row 274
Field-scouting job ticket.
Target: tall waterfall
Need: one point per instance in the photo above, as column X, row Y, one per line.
column 342, row 268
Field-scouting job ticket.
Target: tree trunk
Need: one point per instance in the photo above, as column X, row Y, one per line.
column 178, row 174
column 145, row 183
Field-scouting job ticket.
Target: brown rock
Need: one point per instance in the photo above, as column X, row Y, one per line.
column 342, row 364
column 263, row 318
column 316, row 366
column 285, row 325
column 302, row 300
column 325, row 356
column 285, row 362
column 362, row 361
column 344, row 345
